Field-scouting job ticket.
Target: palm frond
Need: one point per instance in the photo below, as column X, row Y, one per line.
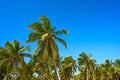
column 22, row 62
column 61, row 41
column 33, row 37
column 45, row 51
column 26, row 55
column 16, row 45
column 53, row 29
column 27, row 48
column 9, row 46
column 22, row 49
column 3, row 61
column 45, row 22
column 54, row 49
column 38, row 47
column 36, row 26
column 9, row 67
column 60, row 32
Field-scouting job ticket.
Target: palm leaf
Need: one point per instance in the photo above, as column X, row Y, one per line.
column 21, row 61
column 9, row 46
column 3, row 51
column 45, row 22
column 22, row 49
column 3, row 61
column 54, row 49
column 9, row 68
column 36, row 26
column 53, row 29
column 33, row 37
column 45, row 50
column 60, row 32
column 61, row 41
column 16, row 45
column 38, row 47
column 26, row 55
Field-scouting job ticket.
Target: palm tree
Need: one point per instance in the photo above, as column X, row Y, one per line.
column 86, row 64
column 13, row 57
column 117, row 67
column 25, row 72
column 68, row 67
column 46, row 37
column 107, row 70
column 2, row 67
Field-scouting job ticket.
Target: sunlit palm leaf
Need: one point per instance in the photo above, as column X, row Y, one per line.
column 22, row 49
column 16, row 45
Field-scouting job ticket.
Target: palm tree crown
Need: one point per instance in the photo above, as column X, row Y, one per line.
column 46, row 37
column 13, row 56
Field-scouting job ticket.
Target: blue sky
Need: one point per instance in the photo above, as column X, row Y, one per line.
column 93, row 25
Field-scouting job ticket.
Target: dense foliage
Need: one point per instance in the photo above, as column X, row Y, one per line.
column 45, row 62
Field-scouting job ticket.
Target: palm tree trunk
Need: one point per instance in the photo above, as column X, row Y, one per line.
column 117, row 77
column 42, row 74
column 87, row 72
column 6, row 77
column 58, row 75
column 73, row 72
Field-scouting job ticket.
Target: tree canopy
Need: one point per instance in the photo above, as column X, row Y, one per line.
column 46, row 63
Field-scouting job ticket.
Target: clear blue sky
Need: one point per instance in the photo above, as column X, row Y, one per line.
column 93, row 25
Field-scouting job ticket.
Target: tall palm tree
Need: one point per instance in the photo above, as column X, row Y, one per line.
column 13, row 56
column 46, row 37
column 86, row 64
